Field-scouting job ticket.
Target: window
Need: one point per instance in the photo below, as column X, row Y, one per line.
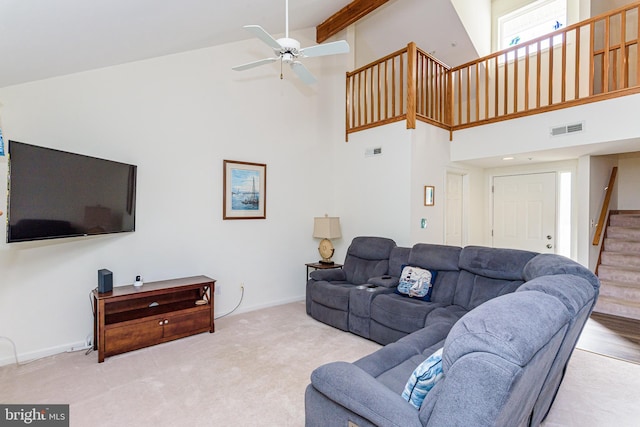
column 533, row 20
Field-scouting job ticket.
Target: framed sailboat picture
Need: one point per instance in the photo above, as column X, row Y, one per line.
column 244, row 190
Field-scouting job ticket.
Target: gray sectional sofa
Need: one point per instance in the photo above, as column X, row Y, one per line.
column 508, row 321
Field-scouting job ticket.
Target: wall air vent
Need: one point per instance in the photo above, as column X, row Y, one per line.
column 567, row 129
column 372, row 152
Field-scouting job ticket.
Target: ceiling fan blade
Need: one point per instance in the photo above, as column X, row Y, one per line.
column 260, row 33
column 302, row 72
column 254, row 64
column 332, row 48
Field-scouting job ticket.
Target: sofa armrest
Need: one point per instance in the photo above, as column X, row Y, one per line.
column 330, row 275
column 351, row 387
column 385, row 281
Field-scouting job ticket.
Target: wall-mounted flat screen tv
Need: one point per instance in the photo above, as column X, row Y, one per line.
column 55, row 194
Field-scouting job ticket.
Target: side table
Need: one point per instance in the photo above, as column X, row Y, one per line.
column 320, row 266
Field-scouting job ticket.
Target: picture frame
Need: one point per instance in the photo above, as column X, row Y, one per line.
column 244, row 190
column 429, row 195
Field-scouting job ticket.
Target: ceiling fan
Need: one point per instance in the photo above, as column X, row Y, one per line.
column 288, row 51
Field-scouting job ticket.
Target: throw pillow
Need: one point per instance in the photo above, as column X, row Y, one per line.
column 423, row 379
column 416, row 282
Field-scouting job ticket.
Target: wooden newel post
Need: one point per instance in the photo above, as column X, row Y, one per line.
column 412, row 69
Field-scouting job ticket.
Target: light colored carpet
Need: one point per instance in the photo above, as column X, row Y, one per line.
column 253, row 371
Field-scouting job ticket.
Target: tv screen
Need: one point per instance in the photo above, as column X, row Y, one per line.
column 55, row 194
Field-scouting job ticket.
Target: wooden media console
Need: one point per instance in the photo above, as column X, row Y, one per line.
column 129, row 318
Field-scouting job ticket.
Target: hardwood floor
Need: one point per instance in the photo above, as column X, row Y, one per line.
column 612, row 336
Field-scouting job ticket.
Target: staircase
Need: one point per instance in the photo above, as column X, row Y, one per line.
column 619, row 269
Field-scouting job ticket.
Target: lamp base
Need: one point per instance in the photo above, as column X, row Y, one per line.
column 326, row 251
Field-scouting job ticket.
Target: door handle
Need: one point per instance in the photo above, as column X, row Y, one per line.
column 549, row 246
column 549, row 237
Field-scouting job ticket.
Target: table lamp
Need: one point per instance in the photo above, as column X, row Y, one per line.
column 326, row 228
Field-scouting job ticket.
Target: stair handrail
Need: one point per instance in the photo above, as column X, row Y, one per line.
column 605, row 207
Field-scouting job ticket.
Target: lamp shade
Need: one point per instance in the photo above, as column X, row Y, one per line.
column 327, row 227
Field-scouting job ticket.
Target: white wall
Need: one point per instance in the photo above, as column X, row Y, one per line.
column 627, row 181
column 383, row 195
column 176, row 117
column 532, row 133
column 476, row 18
column 430, row 162
column 372, row 194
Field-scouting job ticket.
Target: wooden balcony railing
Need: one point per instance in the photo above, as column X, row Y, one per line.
column 590, row 61
column 406, row 85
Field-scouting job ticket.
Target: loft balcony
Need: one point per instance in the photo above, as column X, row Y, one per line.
column 590, row 61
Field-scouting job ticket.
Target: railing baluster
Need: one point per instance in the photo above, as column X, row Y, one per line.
column 563, row 82
column 401, row 86
column 550, row 71
column 526, row 78
column 605, row 59
column 515, row 81
column 576, row 73
column 496, row 79
column 460, row 97
column 386, row 90
column 486, row 89
column 623, row 48
column 592, row 62
column 538, row 72
column 506, row 84
column 393, row 86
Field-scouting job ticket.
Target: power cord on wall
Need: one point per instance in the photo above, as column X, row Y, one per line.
column 236, row 307
column 15, row 350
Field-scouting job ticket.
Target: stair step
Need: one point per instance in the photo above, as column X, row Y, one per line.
column 619, row 274
column 623, row 291
column 625, row 220
column 617, row 307
column 621, row 245
column 625, row 233
column 620, row 259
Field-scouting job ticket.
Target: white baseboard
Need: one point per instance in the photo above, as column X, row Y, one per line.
column 255, row 307
column 31, row 356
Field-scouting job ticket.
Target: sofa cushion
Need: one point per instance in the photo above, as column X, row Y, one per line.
column 435, row 257
column 416, row 282
column 550, row 264
column 333, row 295
column 423, row 379
column 495, row 263
column 487, row 273
column 398, row 258
column 473, row 290
column 367, row 257
column 504, row 326
column 401, row 313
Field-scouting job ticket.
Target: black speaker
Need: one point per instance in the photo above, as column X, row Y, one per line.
column 105, row 281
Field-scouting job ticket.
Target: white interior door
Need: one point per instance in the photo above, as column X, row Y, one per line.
column 524, row 212
column 453, row 209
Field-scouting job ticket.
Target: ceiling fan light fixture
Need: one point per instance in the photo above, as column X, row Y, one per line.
column 288, row 50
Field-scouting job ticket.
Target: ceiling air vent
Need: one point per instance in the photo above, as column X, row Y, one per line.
column 567, row 129
column 371, row 152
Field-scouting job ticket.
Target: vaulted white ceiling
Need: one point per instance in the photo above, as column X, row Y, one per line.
column 46, row 38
